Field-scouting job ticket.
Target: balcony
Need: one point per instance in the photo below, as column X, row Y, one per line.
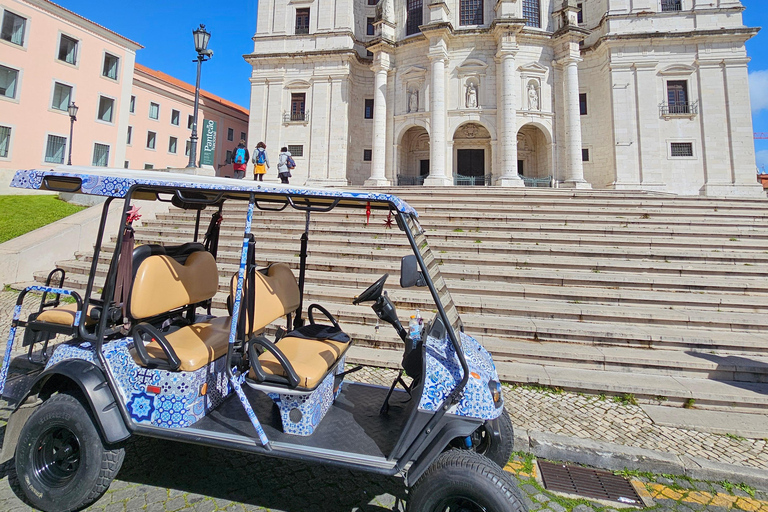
column 296, row 117
column 679, row 109
column 671, row 5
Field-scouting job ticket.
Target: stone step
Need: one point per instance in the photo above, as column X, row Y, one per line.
column 732, row 396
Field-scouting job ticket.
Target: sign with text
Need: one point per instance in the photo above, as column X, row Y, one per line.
column 208, row 143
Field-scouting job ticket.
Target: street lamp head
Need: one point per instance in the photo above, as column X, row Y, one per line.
column 72, row 109
column 202, row 37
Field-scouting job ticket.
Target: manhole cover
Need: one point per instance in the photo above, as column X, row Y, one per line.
column 588, row 482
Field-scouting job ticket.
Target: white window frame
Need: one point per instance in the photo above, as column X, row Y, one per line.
column 692, row 142
column 129, row 136
column 117, row 70
column 146, row 143
column 53, row 92
column 17, row 92
column 589, row 148
column 10, row 141
column 132, row 102
column 178, row 117
column 149, row 113
column 114, row 112
column 45, row 148
column 109, row 151
column 78, row 47
column 170, row 138
column 25, row 34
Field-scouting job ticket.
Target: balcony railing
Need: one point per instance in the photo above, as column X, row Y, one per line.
column 477, row 181
column 410, row 181
column 679, row 109
column 544, row 182
column 296, row 117
column 671, row 5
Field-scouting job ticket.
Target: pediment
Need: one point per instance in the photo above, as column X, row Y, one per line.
column 414, row 72
column 678, row 69
column 472, row 66
column 533, row 68
column 298, row 84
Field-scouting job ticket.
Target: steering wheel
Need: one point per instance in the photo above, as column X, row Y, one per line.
column 373, row 292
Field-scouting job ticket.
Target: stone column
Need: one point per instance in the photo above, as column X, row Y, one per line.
column 437, row 107
column 378, row 157
column 575, row 171
column 507, row 114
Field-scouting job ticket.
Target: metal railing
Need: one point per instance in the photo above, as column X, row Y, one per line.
column 671, row 5
column 545, row 182
column 679, row 109
column 476, row 181
column 410, row 181
column 296, row 117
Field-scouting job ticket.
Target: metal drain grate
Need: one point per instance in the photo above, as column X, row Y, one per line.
column 588, row 482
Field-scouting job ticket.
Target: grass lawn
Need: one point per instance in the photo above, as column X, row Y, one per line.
column 22, row 214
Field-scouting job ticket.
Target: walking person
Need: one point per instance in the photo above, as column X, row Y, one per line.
column 240, row 158
column 284, row 165
column 260, row 162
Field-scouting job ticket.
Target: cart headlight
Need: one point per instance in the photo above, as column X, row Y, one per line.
column 495, row 388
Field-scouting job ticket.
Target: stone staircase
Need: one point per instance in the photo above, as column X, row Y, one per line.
column 657, row 296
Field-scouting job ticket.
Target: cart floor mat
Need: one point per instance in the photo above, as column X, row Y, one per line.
column 352, row 424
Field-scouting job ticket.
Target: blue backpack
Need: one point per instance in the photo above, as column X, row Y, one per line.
column 240, row 156
column 261, row 157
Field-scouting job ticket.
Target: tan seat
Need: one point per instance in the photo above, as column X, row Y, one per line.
column 311, row 359
column 276, row 294
column 64, row 315
column 197, row 345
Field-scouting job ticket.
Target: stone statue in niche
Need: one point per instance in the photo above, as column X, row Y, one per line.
column 471, row 95
column 533, row 97
column 413, row 100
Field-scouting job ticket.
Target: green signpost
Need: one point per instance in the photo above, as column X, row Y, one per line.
column 208, row 142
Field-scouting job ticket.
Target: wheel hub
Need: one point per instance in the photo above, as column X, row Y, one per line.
column 57, row 456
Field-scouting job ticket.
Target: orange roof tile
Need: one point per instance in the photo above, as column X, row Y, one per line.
column 189, row 87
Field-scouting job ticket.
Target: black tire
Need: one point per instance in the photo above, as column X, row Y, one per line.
column 62, row 464
column 498, row 449
column 462, row 480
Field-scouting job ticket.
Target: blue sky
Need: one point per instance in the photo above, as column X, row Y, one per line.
column 165, row 29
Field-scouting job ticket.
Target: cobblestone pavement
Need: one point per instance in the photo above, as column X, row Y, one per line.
column 187, row 477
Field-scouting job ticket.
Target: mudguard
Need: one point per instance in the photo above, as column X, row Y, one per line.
column 92, row 383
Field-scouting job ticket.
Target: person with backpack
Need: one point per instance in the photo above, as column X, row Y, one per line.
column 260, row 162
column 284, row 165
column 240, row 158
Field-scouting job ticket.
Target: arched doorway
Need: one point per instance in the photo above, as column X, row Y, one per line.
column 471, row 155
column 534, row 152
column 413, row 165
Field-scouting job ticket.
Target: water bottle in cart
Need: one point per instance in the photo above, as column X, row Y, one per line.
column 414, row 331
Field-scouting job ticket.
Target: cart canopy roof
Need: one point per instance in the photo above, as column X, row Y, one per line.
column 100, row 181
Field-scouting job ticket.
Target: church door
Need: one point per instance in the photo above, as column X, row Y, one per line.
column 471, row 167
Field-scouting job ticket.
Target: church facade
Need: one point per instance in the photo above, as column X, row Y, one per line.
column 609, row 94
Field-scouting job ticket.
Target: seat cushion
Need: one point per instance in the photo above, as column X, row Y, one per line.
column 196, row 345
column 311, row 359
column 63, row 315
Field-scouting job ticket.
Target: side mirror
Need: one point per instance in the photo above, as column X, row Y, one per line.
column 409, row 272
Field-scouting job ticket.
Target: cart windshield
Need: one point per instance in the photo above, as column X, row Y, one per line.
column 433, row 269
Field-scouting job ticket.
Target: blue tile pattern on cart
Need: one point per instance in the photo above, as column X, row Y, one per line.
column 444, row 372
column 312, row 406
column 179, row 403
column 117, row 183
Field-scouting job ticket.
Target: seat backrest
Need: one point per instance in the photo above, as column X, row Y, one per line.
column 178, row 252
column 276, row 294
column 162, row 284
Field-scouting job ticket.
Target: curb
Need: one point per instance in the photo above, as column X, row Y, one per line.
column 616, row 457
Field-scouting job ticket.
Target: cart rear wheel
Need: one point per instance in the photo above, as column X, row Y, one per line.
column 464, row 481
column 62, row 464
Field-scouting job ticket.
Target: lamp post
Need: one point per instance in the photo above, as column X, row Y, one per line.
column 202, row 37
column 72, row 110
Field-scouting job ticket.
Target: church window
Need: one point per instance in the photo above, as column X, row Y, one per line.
column 302, row 21
column 677, row 97
column 531, row 13
column 415, row 16
column 585, row 155
column 580, row 14
column 373, row 2
column 671, row 5
column 681, row 149
column 369, row 109
column 471, row 12
column 367, row 155
column 369, row 27
column 296, row 149
column 583, row 103
column 297, row 106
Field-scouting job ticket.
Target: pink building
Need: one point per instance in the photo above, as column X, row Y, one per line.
column 129, row 115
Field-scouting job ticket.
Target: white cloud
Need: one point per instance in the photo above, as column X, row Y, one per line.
column 758, row 90
column 761, row 157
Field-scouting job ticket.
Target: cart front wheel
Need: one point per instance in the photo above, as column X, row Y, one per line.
column 62, row 464
column 465, row 481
